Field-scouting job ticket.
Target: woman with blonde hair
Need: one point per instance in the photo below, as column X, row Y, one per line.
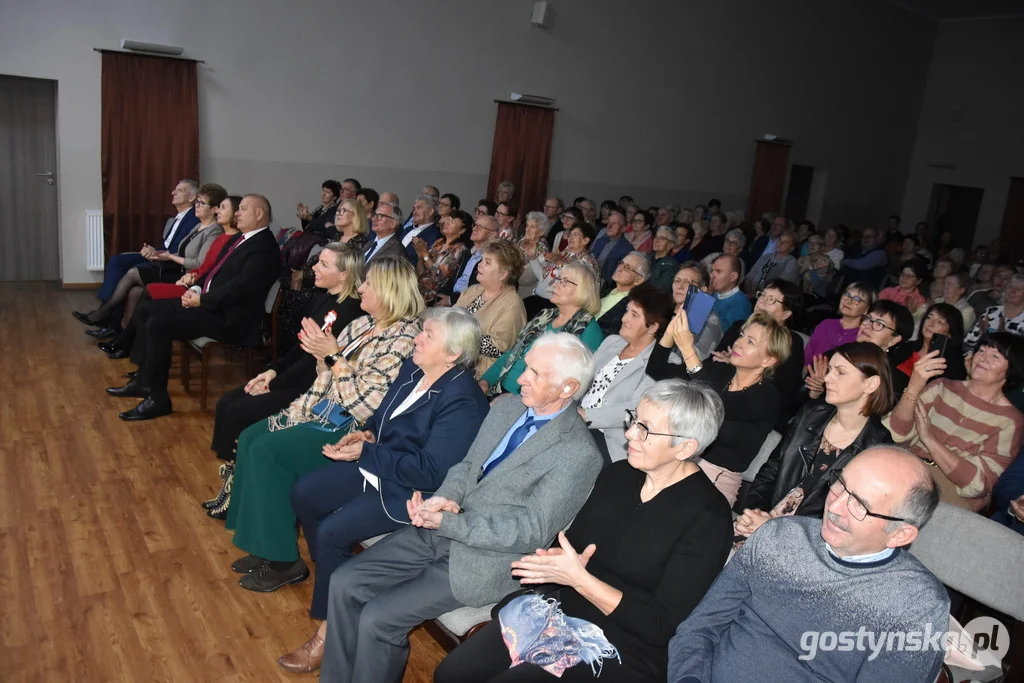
column 338, row 277
column 577, row 301
column 494, row 301
column 752, row 402
column 355, row 372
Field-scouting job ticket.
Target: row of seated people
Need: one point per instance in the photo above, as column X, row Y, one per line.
column 329, row 383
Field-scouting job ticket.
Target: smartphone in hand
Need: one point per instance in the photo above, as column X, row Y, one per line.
column 939, row 343
column 698, row 307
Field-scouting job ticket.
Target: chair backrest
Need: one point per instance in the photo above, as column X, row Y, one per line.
column 980, row 558
column 761, row 458
column 275, row 289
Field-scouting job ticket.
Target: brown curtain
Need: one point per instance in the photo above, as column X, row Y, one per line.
column 1011, row 236
column 150, row 140
column 768, row 179
column 522, row 153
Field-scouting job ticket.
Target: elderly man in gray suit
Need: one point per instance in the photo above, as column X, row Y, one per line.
column 386, row 223
column 527, row 474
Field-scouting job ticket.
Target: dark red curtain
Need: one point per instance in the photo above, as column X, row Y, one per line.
column 150, row 140
column 522, row 153
column 771, row 162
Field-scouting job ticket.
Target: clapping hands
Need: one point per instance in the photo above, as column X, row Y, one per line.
column 561, row 565
column 315, row 341
column 815, row 380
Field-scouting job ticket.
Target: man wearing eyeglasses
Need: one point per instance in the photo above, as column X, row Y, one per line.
column 612, row 247
column 424, row 215
column 385, row 225
column 799, row 583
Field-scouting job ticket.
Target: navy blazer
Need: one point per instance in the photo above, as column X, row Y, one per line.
column 188, row 221
column 429, row 235
column 414, row 451
column 619, row 252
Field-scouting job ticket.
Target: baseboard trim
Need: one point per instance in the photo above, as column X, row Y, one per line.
column 80, row 285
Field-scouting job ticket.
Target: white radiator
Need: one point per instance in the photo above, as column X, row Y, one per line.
column 94, row 240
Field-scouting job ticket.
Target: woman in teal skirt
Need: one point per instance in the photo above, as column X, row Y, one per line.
column 355, row 372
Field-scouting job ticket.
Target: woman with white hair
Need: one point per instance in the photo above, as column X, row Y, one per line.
column 577, row 302
column 425, row 425
column 649, row 520
column 534, row 246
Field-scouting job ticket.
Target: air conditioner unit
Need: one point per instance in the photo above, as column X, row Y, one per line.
column 532, row 99
column 156, row 48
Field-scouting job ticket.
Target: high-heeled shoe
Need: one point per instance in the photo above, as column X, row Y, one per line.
column 307, row 658
column 227, row 473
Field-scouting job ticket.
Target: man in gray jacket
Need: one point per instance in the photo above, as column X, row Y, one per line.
column 527, row 474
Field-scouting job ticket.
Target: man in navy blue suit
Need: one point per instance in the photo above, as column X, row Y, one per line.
column 176, row 229
column 424, row 217
column 612, row 246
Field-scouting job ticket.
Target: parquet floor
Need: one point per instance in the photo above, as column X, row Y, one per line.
column 109, row 569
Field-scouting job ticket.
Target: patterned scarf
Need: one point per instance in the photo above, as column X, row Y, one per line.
column 577, row 323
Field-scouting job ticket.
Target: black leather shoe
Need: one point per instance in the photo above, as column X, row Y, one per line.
column 83, row 318
column 102, row 332
column 249, row 563
column 267, row 580
column 131, row 374
column 147, row 410
column 131, row 390
column 113, row 350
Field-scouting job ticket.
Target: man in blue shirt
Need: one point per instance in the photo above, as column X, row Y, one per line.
column 731, row 305
column 612, row 247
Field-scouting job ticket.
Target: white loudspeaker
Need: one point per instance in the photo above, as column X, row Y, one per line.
column 540, row 14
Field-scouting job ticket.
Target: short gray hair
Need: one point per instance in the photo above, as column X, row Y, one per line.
column 193, row 186
column 431, row 200
column 543, row 224
column 575, row 360
column 738, row 235
column 644, row 270
column 667, row 233
column 396, row 211
column 694, row 410
column 507, row 185
column 461, row 333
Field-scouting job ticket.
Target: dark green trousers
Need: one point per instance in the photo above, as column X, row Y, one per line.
column 266, row 466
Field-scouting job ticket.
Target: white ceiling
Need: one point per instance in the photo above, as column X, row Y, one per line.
column 959, row 10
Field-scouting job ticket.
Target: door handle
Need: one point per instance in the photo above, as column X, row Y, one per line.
column 48, row 174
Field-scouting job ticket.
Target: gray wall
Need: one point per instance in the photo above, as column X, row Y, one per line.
column 660, row 99
column 971, row 118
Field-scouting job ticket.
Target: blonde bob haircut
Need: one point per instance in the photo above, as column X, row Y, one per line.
column 778, row 341
column 360, row 225
column 350, row 261
column 588, row 291
column 394, row 282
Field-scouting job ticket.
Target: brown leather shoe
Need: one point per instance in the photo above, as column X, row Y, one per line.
column 307, row 658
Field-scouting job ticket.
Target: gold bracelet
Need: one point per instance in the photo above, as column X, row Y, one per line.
column 912, row 398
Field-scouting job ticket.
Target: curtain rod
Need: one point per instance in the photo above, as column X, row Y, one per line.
column 526, row 104
column 148, row 54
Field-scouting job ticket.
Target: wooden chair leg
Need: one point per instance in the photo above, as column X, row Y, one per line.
column 186, row 365
column 204, row 376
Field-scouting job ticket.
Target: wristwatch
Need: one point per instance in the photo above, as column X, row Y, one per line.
column 330, row 360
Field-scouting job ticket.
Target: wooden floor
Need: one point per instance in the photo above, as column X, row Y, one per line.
column 109, row 569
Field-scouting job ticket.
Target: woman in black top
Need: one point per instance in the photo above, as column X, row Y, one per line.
column 639, row 556
column 780, row 299
column 823, row 437
column 338, row 273
column 744, row 383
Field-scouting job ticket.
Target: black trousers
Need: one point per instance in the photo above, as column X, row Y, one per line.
column 484, row 657
column 158, row 324
column 237, row 410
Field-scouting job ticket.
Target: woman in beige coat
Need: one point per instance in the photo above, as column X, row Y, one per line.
column 495, row 302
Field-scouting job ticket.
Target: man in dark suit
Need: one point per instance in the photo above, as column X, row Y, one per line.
column 424, row 226
column 227, row 305
column 612, row 247
column 385, row 228
column 484, row 228
column 553, row 208
column 527, row 474
column 176, row 229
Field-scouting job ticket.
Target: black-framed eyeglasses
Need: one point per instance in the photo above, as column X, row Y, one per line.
column 200, row 202
column 854, row 298
column 877, row 324
column 854, row 504
column 768, row 298
column 382, row 216
column 642, row 431
column 502, row 213
column 346, row 210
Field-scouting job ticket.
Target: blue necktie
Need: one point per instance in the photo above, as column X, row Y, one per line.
column 517, row 438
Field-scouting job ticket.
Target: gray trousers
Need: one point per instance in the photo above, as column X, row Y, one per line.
column 376, row 598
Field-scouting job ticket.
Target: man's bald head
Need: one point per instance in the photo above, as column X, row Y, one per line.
column 253, row 213
column 881, row 482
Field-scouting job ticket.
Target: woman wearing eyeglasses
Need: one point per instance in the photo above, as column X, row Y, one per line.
column 506, row 214
column 580, row 237
column 693, row 273
column 438, row 264
column 576, row 302
column 816, row 268
column 906, row 292
column 640, row 555
column 752, row 401
column 967, row 430
column 823, row 436
column 829, row 334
